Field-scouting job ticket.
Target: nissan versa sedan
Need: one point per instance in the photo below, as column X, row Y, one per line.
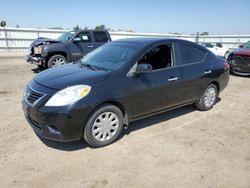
column 120, row 82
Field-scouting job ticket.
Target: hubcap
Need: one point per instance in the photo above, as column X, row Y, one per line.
column 105, row 126
column 57, row 61
column 210, row 96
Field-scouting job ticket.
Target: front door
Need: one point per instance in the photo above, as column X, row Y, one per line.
column 156, row 90
column 82, row 46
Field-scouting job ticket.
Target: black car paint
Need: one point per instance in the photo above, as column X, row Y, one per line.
column 137, row 96
column 71, row 50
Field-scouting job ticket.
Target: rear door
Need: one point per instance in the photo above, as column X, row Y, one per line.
column 82, row 47
column 196, row 69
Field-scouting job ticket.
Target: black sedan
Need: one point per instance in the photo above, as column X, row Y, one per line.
column 121, row 82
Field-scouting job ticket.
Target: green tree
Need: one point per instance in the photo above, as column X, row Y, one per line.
column 3, row 23
column 100, row 27
column 76, row 28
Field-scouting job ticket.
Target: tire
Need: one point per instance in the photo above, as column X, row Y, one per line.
column 208, row 98
column 56, row 60
column 98, row 134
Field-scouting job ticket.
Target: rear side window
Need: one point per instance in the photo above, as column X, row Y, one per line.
column 85, row 37
column 191, row 54
column 100, row 36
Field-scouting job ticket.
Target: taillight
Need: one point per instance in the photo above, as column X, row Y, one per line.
column 226, row 65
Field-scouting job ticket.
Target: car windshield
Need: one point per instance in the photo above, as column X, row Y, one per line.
column 209, row 45
column 247, row 45
column 110, row 56
column 66, row 36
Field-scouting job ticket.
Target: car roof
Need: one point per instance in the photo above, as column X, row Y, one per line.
column 146, row 40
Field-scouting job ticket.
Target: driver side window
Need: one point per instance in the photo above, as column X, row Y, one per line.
column 85, row 37
column 158, row 57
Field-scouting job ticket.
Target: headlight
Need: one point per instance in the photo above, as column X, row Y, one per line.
column 38, row 50
column 69, row 95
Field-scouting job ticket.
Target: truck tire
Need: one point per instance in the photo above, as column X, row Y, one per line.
column 56, row 60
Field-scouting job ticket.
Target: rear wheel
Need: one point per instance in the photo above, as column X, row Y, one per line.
column 56, row 60
column 208, row 99
column 104, row 126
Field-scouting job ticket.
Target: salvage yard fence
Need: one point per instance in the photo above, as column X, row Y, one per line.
column 19, row 39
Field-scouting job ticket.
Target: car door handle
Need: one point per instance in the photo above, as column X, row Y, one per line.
column 172, row 79
column 207, row 72
column 91, row 46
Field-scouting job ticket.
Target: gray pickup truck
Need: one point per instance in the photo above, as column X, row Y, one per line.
column 69, row 47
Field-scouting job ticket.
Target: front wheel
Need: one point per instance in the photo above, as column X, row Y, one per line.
column 208, row 99
column 104, row 126
column 56, row 60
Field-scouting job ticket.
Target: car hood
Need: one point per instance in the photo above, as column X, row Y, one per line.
column 68, row 75
column 242, row 51
column 44, row 41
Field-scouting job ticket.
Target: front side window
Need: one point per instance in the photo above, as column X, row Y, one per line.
column 100, row 36
column 85, row 37
column 158, row 57
column 191, row 54
column 110, row 56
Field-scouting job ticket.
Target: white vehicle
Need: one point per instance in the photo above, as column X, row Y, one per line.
column 217, row 49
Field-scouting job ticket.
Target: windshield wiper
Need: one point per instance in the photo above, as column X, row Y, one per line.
column 93, row 67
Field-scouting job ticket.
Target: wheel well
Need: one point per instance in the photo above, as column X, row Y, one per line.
column 55, row 53
column 217, row 85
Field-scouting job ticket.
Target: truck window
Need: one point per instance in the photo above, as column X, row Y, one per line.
column 100, row 36
column 191, row 54
column 85, row 37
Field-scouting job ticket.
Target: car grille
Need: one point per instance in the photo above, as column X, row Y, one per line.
column 242, row 62
column 33, row 96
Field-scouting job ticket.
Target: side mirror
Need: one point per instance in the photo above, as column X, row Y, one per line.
column 77, row 39
column 241, row 46
column 143, row 68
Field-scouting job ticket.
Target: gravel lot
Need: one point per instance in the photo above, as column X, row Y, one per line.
column 181, row 148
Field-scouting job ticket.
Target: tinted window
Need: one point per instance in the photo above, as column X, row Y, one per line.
column 219, row 45
column 100, row 36
column 85, row 37
column 191, row 54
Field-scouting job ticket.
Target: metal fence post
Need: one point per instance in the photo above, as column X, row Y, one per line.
column 6, row 39
column 197, row 37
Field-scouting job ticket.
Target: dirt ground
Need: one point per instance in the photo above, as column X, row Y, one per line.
column 181, row 148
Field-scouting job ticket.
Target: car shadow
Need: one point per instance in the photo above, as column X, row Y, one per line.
column 134, row 126
column 159, row 118
column 65, row 146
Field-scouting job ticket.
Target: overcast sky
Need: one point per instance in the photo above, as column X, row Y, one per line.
column 159, row 16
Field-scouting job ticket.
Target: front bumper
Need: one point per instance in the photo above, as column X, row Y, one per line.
column 64, row 123
column 34, row 60
column 240, row 65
